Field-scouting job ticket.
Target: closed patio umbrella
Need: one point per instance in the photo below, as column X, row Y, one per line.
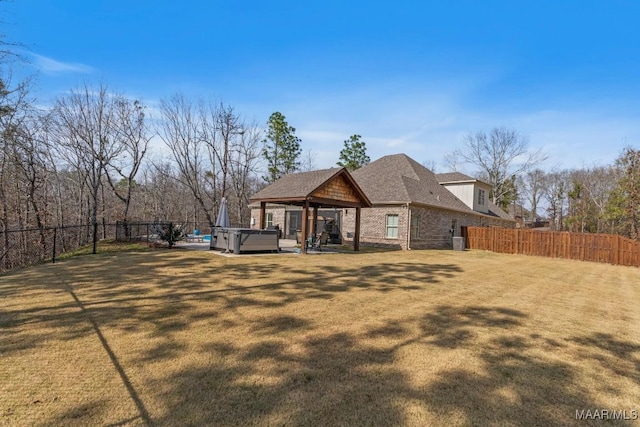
column 223, row 214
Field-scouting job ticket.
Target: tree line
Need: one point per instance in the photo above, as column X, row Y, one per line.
column 596, row 199
column 86, row 159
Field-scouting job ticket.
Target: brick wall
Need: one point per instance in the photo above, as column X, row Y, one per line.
column 434, row 226
column 373, row 226
column 278, row 216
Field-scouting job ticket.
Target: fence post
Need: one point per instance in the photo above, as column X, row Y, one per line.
column 95, row 237
column 147, row 234
column 55, row 234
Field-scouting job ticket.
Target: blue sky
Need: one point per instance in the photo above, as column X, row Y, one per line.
column 409, row 76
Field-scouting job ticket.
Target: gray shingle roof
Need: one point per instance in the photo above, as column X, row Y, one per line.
column 496, row 211
column 399, row 178
column 296, row 185
column 451, row 177
column 295, row 188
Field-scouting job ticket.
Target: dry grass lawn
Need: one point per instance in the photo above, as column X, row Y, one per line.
column 177, row 337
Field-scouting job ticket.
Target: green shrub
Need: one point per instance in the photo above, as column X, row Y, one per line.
column 171, row 233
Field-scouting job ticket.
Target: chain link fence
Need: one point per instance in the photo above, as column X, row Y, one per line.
column 28, row 246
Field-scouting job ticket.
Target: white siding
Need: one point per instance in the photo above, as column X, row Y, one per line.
column 464, row 192
column 476, row 189
column 468, row 193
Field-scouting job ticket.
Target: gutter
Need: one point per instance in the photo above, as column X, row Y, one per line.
column 409, row 226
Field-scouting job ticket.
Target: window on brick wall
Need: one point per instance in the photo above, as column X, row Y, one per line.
column 269, row 220
column 392, row 227
column 415, row 226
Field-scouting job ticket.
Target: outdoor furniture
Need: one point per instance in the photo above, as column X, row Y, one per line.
column 238, row 240
column 319, row 241
column 195, row 237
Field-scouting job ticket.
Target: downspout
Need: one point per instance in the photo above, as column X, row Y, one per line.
column 409, row 226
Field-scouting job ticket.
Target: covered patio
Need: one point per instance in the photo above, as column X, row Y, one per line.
column 326, row 188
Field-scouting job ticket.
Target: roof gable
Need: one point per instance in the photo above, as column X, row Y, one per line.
column 398, row 178
column 338, row 188
column 324, row 186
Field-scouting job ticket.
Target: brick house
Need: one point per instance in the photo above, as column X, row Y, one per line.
column 412, row 208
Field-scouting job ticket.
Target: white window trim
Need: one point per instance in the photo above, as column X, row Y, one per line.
column 387, row 227
column 481, row 197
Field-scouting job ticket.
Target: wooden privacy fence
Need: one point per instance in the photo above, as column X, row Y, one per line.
column 607, row 248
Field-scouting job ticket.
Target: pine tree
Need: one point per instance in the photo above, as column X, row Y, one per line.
column 281, row 148
column 354, row 154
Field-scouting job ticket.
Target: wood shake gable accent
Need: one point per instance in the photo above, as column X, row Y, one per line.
column 338, row 188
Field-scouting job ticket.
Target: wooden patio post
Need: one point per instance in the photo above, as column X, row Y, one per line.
column 314, row 224
column 356, row 237
column 305, row 226
column 263, row 215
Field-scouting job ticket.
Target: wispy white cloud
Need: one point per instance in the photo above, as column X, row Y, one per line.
column 427, row 125
column 53, row 66
column 428, row 120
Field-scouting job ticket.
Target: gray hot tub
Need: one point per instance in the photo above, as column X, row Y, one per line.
column 238, row 240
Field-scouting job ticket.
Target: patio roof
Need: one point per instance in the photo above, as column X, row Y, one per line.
column 333, row 187
column 329, row 188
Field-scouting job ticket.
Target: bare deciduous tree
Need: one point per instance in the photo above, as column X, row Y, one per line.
column 181, row 130
column 215, row 150
column 499, row 155
column 556, row 195
column 243, row 169
column 85, row 126
column 533, row 184
column 221, row 129
column 134, row 133
column 308, row 162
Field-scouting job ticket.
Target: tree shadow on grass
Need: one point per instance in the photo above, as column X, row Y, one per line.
column 614, row 355
column 334, row 380
column 516, row 384
column 168, row 301
column 291, row 372
column 451, row 326
column 357, row 378
column 103, row 293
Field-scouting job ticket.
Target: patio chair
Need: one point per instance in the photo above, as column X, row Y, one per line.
column 320, row 241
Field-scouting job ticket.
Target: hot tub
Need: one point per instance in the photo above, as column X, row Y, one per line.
column 238, row 240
